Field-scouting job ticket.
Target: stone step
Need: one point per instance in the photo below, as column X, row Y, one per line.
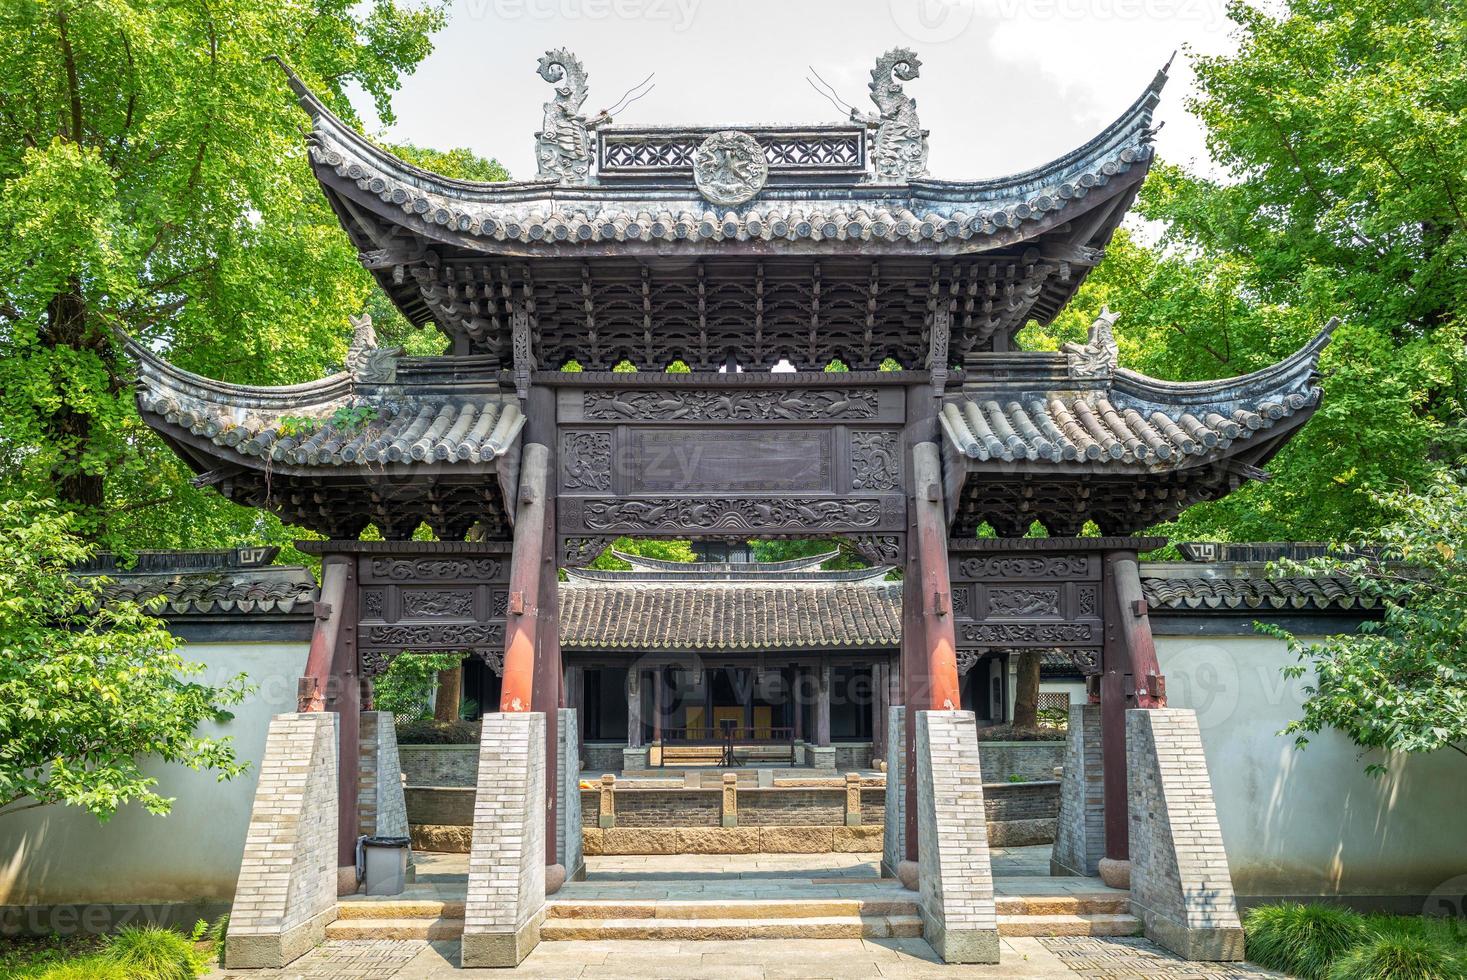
column 399, row 908
column 753, row 908
column 812, row 927
column 1094, row 903
column 395, row 929
column 1068, row 925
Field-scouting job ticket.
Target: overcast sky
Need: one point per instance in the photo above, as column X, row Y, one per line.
column 1005, row 84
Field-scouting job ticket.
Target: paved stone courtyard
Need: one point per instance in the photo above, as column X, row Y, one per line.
column 757, row 959
column 751, row 959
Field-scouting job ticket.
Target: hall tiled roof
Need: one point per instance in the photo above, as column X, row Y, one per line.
column 653, row 616
column 206, row 583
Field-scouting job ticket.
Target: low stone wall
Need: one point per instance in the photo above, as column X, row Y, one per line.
column 1021, row 814
column 602, row 756
column 1028, row 760
column 441, row 805
column 439, row 765
column 852, row 755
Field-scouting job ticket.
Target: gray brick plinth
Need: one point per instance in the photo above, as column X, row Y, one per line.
column 506, row 894
column 894, row 834
column 568, row 842
column 1181, row 888
column 959, row 916
column 286, row 893
column 1079, row 839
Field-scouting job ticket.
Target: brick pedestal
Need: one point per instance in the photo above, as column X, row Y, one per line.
column 959, row 917
column 506, row 895
column 568, row 845
column 1079, row 838
column 286, row 894
column 894, row 840
column 380, row 803
column 1180, row 886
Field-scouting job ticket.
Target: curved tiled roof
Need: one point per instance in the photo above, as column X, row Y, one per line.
column 544, row 214
column 305, row 425
column 1130, row 418
column 262, row 591
column 1191, row 593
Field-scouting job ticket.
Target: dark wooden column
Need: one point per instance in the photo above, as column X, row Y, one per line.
column 822, row 704
column 797, row 700
column 879, row 694
column 1131, row 678
column 634, row 707
column 659, row 702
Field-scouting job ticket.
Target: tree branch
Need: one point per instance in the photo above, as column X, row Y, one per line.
column 73, row 85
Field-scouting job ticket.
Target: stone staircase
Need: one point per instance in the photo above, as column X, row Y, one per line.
column 880, row 916
column 378, row 918
column 1105, row 913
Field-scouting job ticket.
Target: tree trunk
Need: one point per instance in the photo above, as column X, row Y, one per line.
column 450, row 693
column 1026, row 690
column 67, row 325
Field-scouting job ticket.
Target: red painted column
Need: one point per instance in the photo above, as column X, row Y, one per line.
column 343, row 695
column 1131, row 678
column 549, row 693
column 518, row 691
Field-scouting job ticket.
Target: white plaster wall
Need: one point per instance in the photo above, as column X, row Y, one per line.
column 61, row 855
column 1310, row 822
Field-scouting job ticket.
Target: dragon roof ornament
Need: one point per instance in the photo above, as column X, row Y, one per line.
column 365, row 360
column 1099, row 356
column 563, row 145
column 900, row 153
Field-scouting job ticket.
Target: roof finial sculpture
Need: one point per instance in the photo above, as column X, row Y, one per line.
column 368, row 363
column 900, row 152
column 1098, row 357
column 563, row 145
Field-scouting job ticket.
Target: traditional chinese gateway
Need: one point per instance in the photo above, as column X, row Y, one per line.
column 757, row 258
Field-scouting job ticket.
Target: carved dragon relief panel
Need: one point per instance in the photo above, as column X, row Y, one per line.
column 586, row 461
column 876, row 461
column 713, row 404
column 730, row 514
column 1027, row 600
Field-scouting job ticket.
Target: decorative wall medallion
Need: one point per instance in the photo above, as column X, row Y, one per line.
column 729, row 168
column 875, row 461
column 465, row 635
column 435, row 568
column 1023, row 602
column 438, row 603
column 1001, row 633
column 731, row 513
column 705, row 404
column 1007, row 567
column 586, row 460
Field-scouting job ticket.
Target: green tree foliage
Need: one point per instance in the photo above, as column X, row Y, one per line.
column 87, row 692
column 1398, row 685
column 1339, row 127
column 153, row 180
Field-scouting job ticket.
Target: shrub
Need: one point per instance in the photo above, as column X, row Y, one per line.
column 1401, row 956
column 1302, row 940
column 437, row 733
column 1008, row 733
column 154, row 953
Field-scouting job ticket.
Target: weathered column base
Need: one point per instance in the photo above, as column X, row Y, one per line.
column 959, row 915
column 1079, row 839
column 568, row 806
column 286, row 894
column 894, row 831
column 1181, row 888
column 822, row 757
column 506, row 894
column 635, row 760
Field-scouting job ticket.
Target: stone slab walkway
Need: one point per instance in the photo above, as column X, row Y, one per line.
column 756, row 959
